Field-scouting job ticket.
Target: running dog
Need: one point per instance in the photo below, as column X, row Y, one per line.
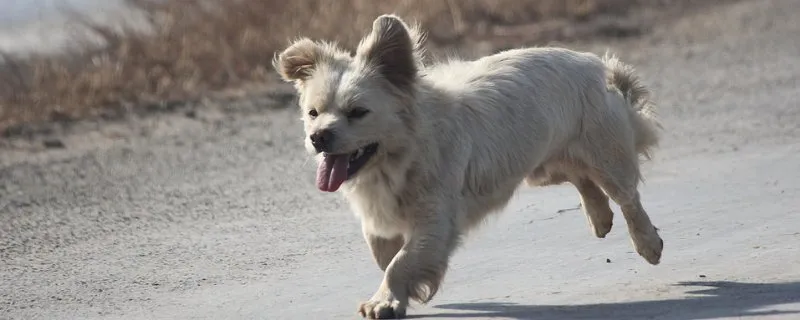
column 423, row 153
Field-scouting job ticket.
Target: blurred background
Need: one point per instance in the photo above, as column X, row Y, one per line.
column 67, row 59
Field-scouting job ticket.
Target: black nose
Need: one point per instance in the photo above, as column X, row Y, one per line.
column 321, row 140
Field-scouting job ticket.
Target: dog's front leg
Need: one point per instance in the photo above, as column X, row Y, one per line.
column 383, row 249
column 416, row 271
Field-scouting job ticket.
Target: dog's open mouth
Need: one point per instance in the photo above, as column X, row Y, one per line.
column 335, row 169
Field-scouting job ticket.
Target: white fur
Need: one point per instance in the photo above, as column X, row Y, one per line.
column 457, row 138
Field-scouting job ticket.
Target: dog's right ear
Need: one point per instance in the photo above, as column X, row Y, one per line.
column 298, row 62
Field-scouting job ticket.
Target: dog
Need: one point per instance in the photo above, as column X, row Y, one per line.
column 423, row 153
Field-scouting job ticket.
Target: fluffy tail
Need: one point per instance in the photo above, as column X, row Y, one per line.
column 623, row 77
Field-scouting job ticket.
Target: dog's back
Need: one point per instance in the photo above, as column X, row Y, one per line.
column 513, row 111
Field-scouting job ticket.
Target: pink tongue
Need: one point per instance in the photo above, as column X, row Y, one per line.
column 332, row 172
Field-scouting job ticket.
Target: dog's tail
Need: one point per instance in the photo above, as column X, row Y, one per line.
column 623, row 77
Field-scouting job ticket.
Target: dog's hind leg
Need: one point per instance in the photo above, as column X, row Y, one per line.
column 595, row 206
column 593, row 201
column 618, row 176
column 541, row 177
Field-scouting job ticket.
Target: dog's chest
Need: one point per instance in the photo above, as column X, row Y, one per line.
column 378, row 208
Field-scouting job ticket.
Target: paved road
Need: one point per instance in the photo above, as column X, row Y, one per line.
column 216, row 216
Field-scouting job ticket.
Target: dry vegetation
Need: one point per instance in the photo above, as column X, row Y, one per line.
column 196, row 51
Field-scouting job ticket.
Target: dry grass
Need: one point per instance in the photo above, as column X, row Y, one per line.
column 196, row 51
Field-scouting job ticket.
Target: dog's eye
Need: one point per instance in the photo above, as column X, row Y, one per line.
column 312, row 113
column 357, row 113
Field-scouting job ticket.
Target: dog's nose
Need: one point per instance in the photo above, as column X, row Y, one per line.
column 321, row 140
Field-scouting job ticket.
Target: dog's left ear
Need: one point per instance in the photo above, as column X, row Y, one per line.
column 298, row 62
column 391, row 47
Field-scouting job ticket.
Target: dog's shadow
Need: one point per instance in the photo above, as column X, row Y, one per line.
column 721, row 299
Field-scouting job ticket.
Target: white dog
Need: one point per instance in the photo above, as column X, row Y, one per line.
column 424, row 153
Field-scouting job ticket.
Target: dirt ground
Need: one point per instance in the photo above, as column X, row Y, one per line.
column 209, row 211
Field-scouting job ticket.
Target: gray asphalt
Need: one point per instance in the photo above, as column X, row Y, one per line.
column 216, row 216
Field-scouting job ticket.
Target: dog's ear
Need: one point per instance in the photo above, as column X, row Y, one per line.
column 298, row 61
column 392, row 48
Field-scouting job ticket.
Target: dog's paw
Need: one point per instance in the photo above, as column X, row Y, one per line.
column 649, row 245
column 382, row 309
column 602, row 229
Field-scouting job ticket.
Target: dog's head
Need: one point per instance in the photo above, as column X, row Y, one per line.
column 358, row 109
